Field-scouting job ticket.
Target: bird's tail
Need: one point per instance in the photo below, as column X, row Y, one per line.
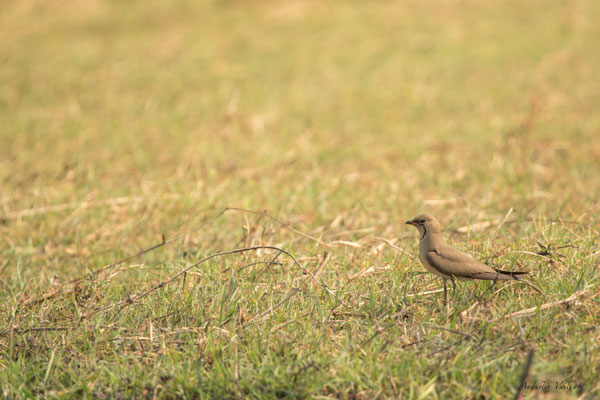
column 511, row 274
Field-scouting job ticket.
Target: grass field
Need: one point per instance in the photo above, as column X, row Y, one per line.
column 317, row 128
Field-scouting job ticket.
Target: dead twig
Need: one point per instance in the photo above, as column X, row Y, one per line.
column 17, row 331
column 61, row 289
column 351, row 232
column 271, row 309
column 131, row 299
column 528, row 312
column 322, row 263
column 251, row 265
column 502, row 223
column 537, row 289
column 441, row 328
column 272, row 262
column 369, row 270
column 531, row 254
column 393, row 246
column 524, row 375
column 284, row 224
column 477, row 227
column 369, row 340
column 30, row 212
column 122, row 200
column 425, row 293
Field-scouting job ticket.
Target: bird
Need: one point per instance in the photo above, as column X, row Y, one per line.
column 449, row 263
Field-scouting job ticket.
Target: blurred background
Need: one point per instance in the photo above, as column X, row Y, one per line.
column 122, row 120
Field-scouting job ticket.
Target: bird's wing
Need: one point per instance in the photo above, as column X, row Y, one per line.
column 450, row 261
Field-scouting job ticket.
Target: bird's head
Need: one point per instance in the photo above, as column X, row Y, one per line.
column 425, row 223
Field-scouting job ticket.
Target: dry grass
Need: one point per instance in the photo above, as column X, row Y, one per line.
column 314, row 128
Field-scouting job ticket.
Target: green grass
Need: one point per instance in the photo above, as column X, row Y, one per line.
column 122, row 121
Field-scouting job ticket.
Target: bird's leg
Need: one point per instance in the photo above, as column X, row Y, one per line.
column 453, row 289
column 445, row 293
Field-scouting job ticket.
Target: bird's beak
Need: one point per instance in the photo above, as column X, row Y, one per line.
column 410, row 222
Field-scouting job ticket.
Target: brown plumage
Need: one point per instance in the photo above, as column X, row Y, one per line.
column 447, row 262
